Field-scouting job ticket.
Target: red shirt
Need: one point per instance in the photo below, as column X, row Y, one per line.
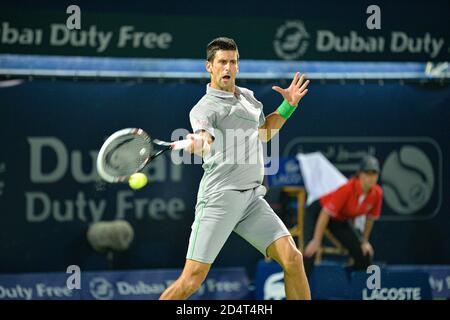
column 343, row 203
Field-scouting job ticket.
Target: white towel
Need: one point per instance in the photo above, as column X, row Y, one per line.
column 320, row 176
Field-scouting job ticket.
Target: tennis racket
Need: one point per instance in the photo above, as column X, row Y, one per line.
column 128, row 151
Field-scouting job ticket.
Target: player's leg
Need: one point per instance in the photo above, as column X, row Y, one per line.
column 215, row 219
column 192, row 277
column 289, row 257
column 262, row 228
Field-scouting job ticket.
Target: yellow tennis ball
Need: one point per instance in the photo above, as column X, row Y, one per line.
column 137, row 180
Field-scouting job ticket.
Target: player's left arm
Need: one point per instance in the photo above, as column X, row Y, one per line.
column 292, row 96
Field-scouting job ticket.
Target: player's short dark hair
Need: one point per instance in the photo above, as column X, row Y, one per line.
column 221, row 43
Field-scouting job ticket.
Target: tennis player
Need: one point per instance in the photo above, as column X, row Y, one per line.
column 230, row 196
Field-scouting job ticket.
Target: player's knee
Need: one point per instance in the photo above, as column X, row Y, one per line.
column 293, row 262
column 193, row 280
column 297, row 258
column 192, row 284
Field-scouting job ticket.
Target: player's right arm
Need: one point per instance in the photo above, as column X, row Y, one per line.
column 201, row 143
column 202, row 118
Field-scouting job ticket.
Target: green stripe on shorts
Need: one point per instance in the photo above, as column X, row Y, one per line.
column 196, row 230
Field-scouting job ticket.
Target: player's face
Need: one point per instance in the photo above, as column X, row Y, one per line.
column 368, row 179
column 223, row 70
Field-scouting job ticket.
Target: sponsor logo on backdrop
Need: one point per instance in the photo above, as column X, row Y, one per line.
column 406, row 293
column 79, row 166
column 274, row 287
column 407, row 179
column 222, row 283
column 292, row 167
column 91, row 36
column 440, row 281
column 38, row 291
column 101, row 289
column 289, row 174
column 292, row 41
column 411, row 173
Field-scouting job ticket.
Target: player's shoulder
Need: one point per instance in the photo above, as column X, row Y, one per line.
column 246, row 92
column 250, row 95
column 205, row 104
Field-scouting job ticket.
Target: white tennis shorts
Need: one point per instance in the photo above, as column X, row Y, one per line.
column 245, row 212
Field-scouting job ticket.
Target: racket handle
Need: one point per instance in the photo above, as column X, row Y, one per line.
column 181, row 144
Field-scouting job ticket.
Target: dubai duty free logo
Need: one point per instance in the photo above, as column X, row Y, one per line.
column 101, row 289
column 291, row 40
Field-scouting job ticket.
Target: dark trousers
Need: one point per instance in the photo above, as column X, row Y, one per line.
column 347, row 235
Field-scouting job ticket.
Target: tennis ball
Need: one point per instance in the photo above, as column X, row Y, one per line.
column 137, row 180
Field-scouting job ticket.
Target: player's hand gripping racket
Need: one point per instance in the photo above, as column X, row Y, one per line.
column 128, row 151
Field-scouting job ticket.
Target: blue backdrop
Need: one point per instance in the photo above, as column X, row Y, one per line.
column 50, row 193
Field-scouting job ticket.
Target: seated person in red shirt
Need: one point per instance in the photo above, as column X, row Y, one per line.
column 360, row 195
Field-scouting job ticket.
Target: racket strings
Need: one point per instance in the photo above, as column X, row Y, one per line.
column 126, row 155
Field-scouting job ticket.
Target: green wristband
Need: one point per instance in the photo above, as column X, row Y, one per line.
column 285, row 109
